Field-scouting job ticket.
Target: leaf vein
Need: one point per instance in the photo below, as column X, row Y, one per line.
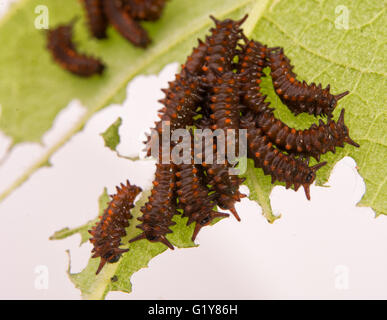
column 317, row 54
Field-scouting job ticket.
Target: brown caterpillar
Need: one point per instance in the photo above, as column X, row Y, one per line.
column 314, row 141
column 252, row 61
column 183, row 96
column 160, row 208
column 107, row 234
column 274, row 162
column 296, row 95
column 148, row 10
column 96, row 17
column 222, row 46
column 180, row 103
column 217, row 175
column 193, row 196
column 226, row 186
column 194, row 63
column 63, row 50
column 125, row 24
column 225, row 102
column 224, row 105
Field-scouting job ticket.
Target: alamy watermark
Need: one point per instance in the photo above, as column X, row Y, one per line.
column 41, row 280
column 182, row 146
column 42, row 20
column 341, row 277
column 342, row 19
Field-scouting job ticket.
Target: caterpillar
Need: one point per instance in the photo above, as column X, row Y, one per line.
column 217, row 175
column 222, row 47
column 180, row 104
column 225, row 102
column 183, row 96
column 148, row 10
column 314, row 141
column 181, row 100
column 221, row 50
column 280, row 166
column 194, row 197
column 225, row 115
column 63, row 50
column 125, row 24
column 160, row 208
column 194, row 62
column 107, row 234
column 252, row 61
column 226, row 186
column 96, row 17
column 296, row 95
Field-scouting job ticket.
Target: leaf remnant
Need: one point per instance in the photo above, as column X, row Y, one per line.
column 111, row 135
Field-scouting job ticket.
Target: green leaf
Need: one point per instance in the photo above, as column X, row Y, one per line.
column 260, row 188
column 111, row 135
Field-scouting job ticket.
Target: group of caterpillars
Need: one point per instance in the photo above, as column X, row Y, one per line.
column 219, row 88
column 123, row 15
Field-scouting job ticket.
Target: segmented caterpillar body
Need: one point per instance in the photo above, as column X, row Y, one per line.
column 107, row 234
column 225, row 102
column 225, row 115
column 314, row 141
column 222, row 47
column 194, row 197
column 194, row 63
column 296, row 95
column 252, row 61
column 160, row 208
column 226, row 186
column 96, row 17
column 280, row 166
column 63, row 50
column 125, row 24
column 180, row 103
column 148, row 10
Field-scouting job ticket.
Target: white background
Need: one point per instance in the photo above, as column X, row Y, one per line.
column 323, row 248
